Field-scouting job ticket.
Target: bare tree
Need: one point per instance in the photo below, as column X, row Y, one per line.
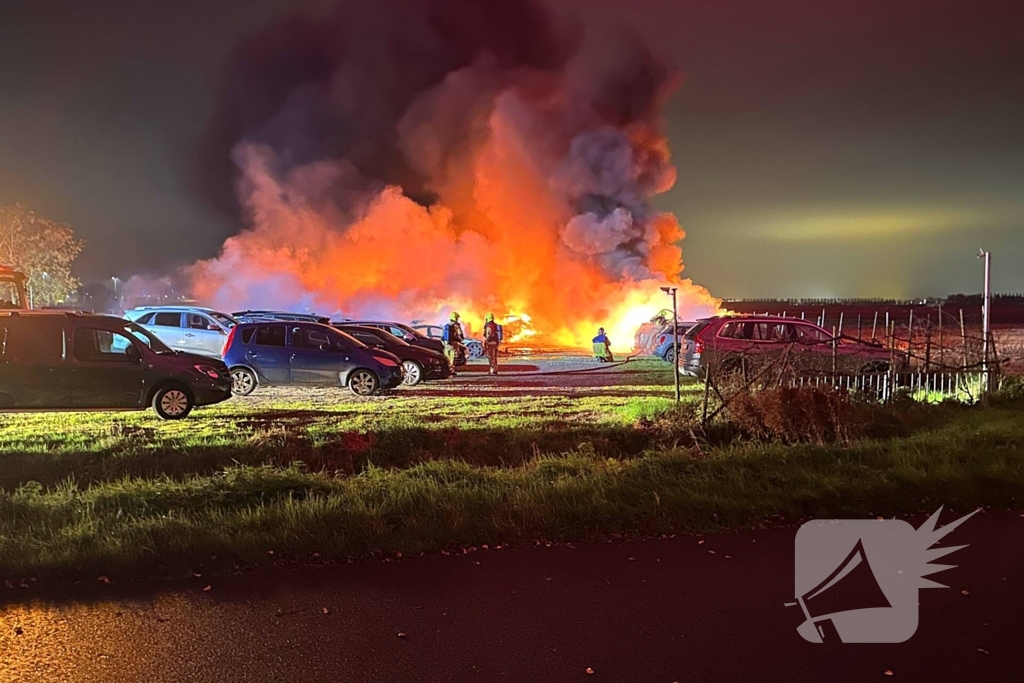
column 41, row 248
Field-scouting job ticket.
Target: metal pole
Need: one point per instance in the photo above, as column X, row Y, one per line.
column 986, row 311
column 675, row 341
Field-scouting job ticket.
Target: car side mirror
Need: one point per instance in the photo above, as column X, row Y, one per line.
column 213, row 328
column 326, row 347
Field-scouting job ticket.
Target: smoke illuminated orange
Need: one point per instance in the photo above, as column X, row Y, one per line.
column 541, row 212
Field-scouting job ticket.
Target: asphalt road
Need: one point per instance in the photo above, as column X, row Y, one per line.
column 655, row 610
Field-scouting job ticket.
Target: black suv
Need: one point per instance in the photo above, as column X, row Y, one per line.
column 81, row 361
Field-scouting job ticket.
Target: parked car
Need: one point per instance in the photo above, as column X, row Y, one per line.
column 663, row 347
column 724, row 342
column 418, row 363
column 306, row 354
column 78, row 361
column 400, row 330
column 474, row 347
column 258, row 316
column 186, row 328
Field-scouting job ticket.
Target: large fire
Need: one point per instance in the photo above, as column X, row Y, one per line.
column 523, row 183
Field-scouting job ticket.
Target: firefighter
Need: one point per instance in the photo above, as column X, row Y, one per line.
column 452, row 339
column 492, row 337
column 603, row 347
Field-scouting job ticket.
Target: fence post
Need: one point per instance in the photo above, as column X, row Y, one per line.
column 874, row 326
column 963, row 336
column 835, row 351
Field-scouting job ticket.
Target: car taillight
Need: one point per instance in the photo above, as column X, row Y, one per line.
column 698, row 346
column 387, row 362
column 227, row 343
column 662, row 339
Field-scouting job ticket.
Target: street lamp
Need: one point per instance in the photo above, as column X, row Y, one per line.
column 986, row 314
column 675, row 338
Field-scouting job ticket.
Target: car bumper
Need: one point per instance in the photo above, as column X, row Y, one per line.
column 691, row 368
column 432, row 372
column 391, row 381
column 214, row 393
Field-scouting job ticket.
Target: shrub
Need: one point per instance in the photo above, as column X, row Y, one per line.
column 798, row 415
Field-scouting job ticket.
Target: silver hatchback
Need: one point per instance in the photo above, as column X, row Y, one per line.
column 186, row 328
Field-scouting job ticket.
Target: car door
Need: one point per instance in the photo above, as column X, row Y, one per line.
column 268, row 353
column 106, row 369
column 314, row 358
column 203, row 335
column 167, row 327
column 33, row 373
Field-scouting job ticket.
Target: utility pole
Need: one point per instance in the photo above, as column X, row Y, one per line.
column 986, row 316
column 675, row 338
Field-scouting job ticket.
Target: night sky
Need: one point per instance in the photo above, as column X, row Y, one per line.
column 841, row 148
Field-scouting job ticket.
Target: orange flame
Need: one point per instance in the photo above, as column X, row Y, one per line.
column 542, row 214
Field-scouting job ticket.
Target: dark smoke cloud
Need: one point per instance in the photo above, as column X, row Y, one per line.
column 332, row 87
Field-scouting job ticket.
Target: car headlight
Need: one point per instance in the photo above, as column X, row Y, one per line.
column 207, row 370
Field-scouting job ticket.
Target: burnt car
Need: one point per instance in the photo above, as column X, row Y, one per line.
column 729, row 343
column 59, row 360
column 419, row 364
column 301, row 353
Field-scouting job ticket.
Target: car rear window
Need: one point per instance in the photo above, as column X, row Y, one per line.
column 270, row 335
column 247, row 335
column 694, row 331
column 36, row 342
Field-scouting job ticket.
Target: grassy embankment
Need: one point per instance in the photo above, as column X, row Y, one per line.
column 126, row 495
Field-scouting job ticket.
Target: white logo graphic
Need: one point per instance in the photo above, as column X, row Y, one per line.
column 857, row 579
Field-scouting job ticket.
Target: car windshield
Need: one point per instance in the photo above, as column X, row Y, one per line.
column 225, row 320
column 391, row 338
column 146, row 338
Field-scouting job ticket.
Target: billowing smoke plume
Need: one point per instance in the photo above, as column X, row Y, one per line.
column 402, row 158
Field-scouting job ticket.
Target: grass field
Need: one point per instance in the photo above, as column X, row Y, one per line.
column 465, row 462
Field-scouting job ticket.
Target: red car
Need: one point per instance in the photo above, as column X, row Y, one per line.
column 725, row 341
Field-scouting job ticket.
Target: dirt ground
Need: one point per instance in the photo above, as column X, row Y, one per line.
column 535, row 374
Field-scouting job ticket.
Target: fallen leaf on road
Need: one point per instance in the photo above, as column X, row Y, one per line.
column 401, row 635
column 589, row 671
column 315, row 555
column 208, row 589
column 196, row 574
column 324, row 610
column 475, row 562
column 103, row 579
column 965, row 592
column 700, row 542
column 984, row 652
column 632, row 559
column 887, row 672
column 728, row 557
column 398, row 555
column 270, row 552
column 711, row 552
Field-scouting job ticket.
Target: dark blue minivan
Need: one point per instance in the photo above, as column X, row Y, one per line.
column 306, row 353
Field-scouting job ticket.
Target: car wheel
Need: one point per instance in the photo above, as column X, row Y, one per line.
column 173, row 402
column 243, row 381
column 475, row 349
column 413, row 373
column 363, row 383
column 670, row 355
